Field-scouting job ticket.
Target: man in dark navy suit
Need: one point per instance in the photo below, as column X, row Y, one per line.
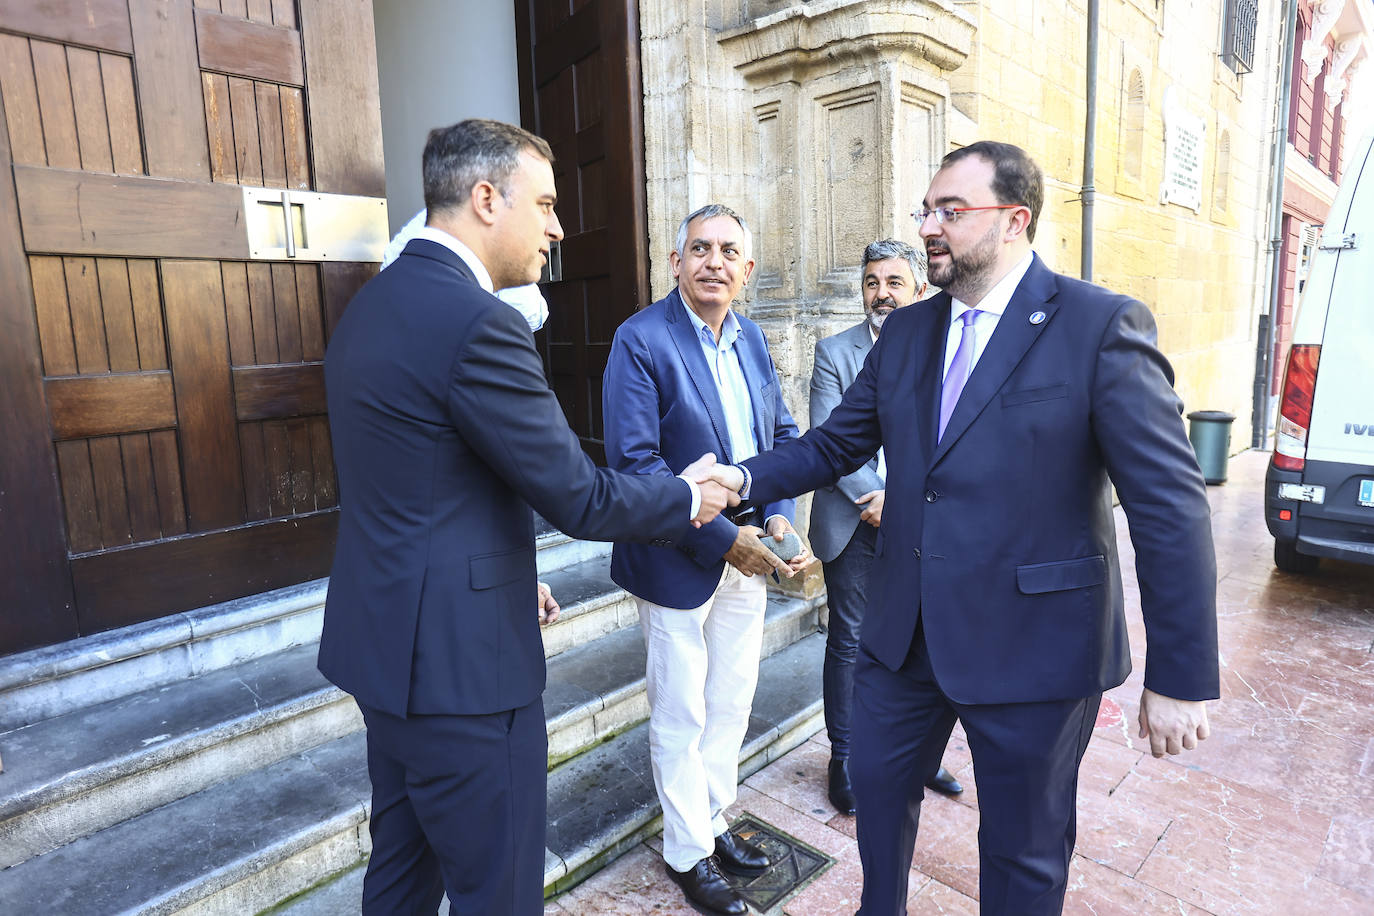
column 688, row 375
column 445, row 434
column 1005, row 405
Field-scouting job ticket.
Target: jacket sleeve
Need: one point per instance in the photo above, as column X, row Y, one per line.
column 848, row 438
column 826, row 392
column 502, row 406
column 631, row 416
column 1138, row 427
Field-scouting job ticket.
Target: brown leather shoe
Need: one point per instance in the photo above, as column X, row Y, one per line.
column 705, row 886
column 740, row 857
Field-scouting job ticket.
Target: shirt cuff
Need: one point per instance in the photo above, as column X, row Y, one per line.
column 696, row 496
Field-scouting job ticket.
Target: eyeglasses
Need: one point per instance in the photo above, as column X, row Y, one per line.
column 951, row 214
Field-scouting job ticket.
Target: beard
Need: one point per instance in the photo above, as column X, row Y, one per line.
column 875, row 317
column 966, row 274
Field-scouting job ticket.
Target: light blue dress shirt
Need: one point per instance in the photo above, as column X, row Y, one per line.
column 730, row 384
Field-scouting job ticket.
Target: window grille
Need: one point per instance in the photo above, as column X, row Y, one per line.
column 1238, row 38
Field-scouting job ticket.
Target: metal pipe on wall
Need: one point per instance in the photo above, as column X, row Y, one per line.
column 1266, row 332
column 1088, row 193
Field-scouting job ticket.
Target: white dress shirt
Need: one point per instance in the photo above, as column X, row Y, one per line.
column 989, row 314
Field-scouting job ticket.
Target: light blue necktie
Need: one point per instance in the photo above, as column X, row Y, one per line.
column 959, row 370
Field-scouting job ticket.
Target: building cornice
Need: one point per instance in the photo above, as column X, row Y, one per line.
column 808, row 39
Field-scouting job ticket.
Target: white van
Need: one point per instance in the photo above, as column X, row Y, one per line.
column 1319, row 492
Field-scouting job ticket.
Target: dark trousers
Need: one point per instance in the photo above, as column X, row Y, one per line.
column 846, row 586
column 457, row 806
column 1025, row 760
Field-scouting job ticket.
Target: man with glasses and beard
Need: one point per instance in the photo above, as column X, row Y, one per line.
column 1005, row 407
column 845, row 517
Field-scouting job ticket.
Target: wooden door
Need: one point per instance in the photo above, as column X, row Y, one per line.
column 165, row 444
column 580, row 90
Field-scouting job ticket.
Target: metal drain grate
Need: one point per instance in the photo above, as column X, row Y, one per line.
column 794, row 864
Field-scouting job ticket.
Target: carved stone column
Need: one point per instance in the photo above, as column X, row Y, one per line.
column 849, row 103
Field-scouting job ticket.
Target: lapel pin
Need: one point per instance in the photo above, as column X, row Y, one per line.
column 1037, row 317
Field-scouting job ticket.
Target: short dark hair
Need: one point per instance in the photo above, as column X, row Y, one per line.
column 891, row 248
column 456, row 158
column 1016, row 178
column 711, row 211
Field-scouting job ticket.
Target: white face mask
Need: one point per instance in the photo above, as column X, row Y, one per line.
column 528, row 301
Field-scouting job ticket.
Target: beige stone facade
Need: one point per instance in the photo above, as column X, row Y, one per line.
column 822, row 123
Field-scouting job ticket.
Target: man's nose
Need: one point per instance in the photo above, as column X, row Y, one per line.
column 554, row 230
column 929, row 227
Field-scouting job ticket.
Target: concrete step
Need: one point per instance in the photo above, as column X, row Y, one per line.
column 73, row 775
column 591, row 605
column 246, row 843
column 239, row 846
column 596, row 690
column 603, row 802
column 55, row 680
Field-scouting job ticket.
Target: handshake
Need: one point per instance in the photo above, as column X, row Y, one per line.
column 719, row 484
column 755, row 551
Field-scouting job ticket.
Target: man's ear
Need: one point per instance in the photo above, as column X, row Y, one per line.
column 675, row 261
column 1018, row 223
column 921, row 293
column 484, row 197
column 748, row 270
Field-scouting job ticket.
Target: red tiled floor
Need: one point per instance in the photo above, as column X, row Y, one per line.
column 1274, row 814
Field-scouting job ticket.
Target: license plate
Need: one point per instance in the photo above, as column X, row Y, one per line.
column 1303, row 492
column 1367, row 492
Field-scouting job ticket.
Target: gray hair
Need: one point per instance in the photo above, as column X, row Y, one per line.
column 891, row 248
column 710, row 211
column 456, row 158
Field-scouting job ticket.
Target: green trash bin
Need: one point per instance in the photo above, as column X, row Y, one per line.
column 1210, row 433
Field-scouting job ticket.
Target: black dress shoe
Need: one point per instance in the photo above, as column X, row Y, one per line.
column 705, row 886
column 740, row 857
column 944, row 782
column 841, row 792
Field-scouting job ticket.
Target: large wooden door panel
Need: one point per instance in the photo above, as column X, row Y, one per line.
column 580, row 90
column 170, row 443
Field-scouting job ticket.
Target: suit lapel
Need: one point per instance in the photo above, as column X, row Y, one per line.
column 1006, row 348
column 860, row 340
column 684, row 335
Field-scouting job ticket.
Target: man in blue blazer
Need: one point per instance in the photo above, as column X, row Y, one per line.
column 445, row 433
column 1005, row 405
column 688, row 375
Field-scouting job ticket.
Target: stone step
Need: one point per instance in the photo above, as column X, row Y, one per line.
column 239, row 846
column 70, row 776
column 246, row 843
column 596, row 690
column 55, row 680
column 604, row 802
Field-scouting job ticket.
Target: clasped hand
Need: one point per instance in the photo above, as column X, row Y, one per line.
column 714, row 481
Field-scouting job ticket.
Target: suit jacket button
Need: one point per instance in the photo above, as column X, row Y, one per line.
column 916, row 552
column 931, row 496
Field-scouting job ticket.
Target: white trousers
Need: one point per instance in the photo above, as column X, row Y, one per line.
column 703, row 665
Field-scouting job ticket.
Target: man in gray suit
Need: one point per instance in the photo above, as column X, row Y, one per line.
column 845, row 517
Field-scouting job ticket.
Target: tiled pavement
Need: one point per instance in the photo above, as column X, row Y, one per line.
column 1273, row 814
